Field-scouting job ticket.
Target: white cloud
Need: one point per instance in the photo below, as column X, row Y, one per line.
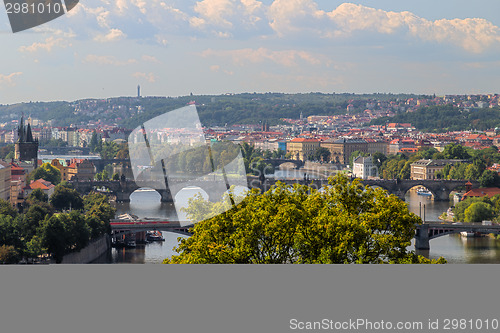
column 149, row 58
column 288, row 58
column 150, row 77
column 161, row 21
column 107, row 60
column 296, row 16
column 302, row 17
column 112, row 36
column 47, row 45
column 223, row 16
column 217, row 68
column 9, row 79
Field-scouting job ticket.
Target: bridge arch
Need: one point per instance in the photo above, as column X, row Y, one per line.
column 406, row 189
column 277, row 162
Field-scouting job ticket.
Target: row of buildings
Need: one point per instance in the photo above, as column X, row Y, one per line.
column 14, row 186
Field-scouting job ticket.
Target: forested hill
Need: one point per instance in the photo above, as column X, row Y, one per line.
column 252, row 108
column 446, row 118
column 246, row 108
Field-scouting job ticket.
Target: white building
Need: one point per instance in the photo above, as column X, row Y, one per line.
column 364, row 168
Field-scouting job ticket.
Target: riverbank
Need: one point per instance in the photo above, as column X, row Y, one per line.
column 91, row 252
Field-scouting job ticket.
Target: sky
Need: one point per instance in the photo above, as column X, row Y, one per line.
column 105, row 48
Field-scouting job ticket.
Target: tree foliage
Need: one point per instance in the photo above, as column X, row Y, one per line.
column 46, row 172
column 65, row 198
column 478, row 211
column 343, row 223
column 38, row 195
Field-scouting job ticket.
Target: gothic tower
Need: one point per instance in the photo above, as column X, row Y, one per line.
column 26, row 148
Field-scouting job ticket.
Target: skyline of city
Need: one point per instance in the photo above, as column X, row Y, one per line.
column 173, row 48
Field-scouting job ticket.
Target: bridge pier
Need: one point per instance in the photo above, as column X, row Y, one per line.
column 422, row 238
column 122, row 196
column 166, row 195
column 442, row 195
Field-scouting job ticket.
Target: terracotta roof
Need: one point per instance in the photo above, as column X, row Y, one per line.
column 481, row 192
column 41, row 184
column 304, row 140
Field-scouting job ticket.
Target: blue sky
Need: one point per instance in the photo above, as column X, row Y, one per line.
column 104, row 48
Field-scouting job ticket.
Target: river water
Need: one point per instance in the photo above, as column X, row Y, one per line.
column 454, row 248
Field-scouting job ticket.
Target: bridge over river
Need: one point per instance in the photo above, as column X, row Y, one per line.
column 123, row 227
column 441, row 189
column 423, row 234
column 427, row 231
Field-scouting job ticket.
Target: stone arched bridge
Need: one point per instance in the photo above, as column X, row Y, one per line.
column 277, row 162
column 441, row 189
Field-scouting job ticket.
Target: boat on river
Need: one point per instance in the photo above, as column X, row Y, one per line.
column 154, row 236
column 424, row 192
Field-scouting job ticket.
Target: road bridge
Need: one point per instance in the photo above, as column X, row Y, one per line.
column 427, row 231
column 120, row 227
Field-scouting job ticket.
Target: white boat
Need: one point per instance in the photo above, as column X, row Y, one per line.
column 467, row 234
column 422, row 191
column 470, row 234
column 130, row 243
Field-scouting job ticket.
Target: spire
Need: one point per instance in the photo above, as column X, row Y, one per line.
column 20, row 130
column 29, row 135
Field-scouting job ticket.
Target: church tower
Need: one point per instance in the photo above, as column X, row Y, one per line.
column 26, row 148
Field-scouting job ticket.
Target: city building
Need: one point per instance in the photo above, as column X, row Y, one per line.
column 302, row 148
column 44, row 185
column 17, row 184
column 82, row 169
column 364, row 168
column 341, row 149
column 5, row 181
column 427, row 169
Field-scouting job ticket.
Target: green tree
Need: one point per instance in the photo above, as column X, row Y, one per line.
column 343, row 223
column 378, row 159
column 489, row 178
column 34, row 247
column 76, row 229
column 479, row 211
column 33, row 218
column 455, row 151
column 66, row 198
column 10, row 232
column 46, row 172
column 472, row 172
column 7, row 209
column 427, row 153
column 98, row 213
column 457, row 171
column 38, row 195
column 53, row 236
column 93, row 142
column 8, row 254
column 459, row 210
column 322, row 154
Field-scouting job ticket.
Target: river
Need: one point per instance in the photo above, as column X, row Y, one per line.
column 453, row 248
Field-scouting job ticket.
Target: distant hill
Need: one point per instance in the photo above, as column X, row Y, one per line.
column 446, row 118
column 246, row 108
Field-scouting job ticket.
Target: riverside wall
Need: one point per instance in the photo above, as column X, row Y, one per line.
column 90, row 253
